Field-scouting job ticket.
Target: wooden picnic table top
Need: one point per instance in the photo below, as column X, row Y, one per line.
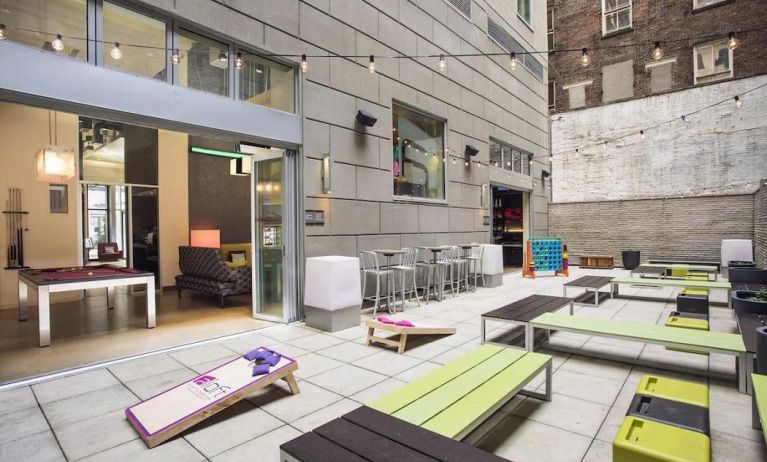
column 366, row 434
column 590, row 282
column 529, row 308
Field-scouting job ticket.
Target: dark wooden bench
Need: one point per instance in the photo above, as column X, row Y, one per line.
column 369, row 435
column 523, row 311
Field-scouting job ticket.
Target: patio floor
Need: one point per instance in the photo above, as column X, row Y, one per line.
column 82, row 417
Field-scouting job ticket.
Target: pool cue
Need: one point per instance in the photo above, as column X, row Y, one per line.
column 21, row 229
column 13, row 228
column 8, row 227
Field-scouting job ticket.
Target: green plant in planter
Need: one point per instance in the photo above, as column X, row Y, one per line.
column 758, row 297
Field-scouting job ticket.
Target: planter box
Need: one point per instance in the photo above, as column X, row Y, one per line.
column 743, row 306
column 741, row 275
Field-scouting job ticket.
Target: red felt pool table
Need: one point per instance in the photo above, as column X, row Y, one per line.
column 51, row 280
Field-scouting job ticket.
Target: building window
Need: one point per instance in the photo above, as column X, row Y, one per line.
column 713, row 61
column 550, row 27
column 697, row 4
column 204, row 63
column 661, row 78
column 463, row 6
column 509, row 158
column 576, row 93
column 524, row 11
column 552, row 94
column 418, row 165
column 618, row 81
column 33, row 22
column 122, row 25
column 266, row 83
column 616, row 16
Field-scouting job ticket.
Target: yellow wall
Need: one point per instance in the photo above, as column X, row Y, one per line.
column 174, row 200
column 23, row 130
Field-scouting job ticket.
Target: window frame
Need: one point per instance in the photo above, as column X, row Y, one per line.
column 553, row 93
column 236, row 84
column 715, row 43
column 550, row 39
column 696, row 6
column 615, row 11
column 528, row 22
column 445, row 177
column 508, row 163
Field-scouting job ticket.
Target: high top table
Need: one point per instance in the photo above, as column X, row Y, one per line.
column 435, row 251
column 47, row 281
column 388, row 253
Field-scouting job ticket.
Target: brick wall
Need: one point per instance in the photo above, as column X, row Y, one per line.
column 577, row 24
column 659, row 228
column 760, row 225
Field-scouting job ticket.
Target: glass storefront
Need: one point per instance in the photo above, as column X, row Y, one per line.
column 36, row 23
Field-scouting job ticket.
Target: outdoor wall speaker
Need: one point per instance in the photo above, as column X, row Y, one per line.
column 470, row 151
column 365, row 118
column 545, row 174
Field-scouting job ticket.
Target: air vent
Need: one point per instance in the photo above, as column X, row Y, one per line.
column 508, row 43
column 464, row 6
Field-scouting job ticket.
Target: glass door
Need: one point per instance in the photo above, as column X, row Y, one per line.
column 268, row 235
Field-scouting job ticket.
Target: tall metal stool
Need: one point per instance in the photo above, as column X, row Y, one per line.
column 460, row 269
column 370, row 266
column 408, row 264
column 444, row 271
column 475, row 263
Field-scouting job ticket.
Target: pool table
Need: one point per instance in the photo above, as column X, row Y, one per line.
column 51, row 280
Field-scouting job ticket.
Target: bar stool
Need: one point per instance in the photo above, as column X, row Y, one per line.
column 475, row 263
column 460, row 269
column 445, row 268
column 370, row 266
column 430, row 278
column 407, row 264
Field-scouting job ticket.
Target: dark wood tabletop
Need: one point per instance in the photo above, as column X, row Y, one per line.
column 366, row 434
column 468, row 246
column 529, row 308
column 590, row 282
column 643, row 269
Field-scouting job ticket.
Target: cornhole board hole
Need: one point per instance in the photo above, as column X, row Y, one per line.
column 169, row 413
column 404, row 332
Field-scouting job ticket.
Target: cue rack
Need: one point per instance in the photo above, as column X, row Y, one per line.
column 16, row 221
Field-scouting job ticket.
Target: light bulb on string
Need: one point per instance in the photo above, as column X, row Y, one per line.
column 58, row 43
column 738, row 102
column 238, row 62
column 585, row 58
column 175, row 58
column 222, row 57
column 577, row 152
column 2, row 32
column 466, row 163
column 657, row 53
column 372, row 65
column 732, row 41
column 304, row 64
column 442, row 63
column 604, row 145
column 115, row 52
column 641, row 134
column 513, row 61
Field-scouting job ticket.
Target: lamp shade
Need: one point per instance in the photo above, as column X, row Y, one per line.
column 205, row 238
column 55, row 164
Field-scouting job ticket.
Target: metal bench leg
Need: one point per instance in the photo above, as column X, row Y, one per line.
column 548, row 381
column 749, row 370
column 482, row 329
column 743, row 372
column 529, row 337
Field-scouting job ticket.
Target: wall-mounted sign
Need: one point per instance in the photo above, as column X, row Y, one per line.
column 314, row 217
column 270, row 236
column 486, row 220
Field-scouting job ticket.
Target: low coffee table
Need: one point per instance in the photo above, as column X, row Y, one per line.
column 523, row 311
column 649, row 271
column 591, row 284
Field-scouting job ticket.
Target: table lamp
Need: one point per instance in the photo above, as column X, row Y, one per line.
column 205, row 238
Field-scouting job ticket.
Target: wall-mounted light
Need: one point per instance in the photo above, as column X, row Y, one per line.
column 240, row 167
column 484, row 196
column 217, row 152
column 205, row 238
column 326, row 174
column 365, row 118
column 55, row 164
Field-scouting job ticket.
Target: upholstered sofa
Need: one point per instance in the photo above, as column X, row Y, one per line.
column 203, row 270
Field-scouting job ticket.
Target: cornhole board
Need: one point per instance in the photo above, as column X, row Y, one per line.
column 403, row 331
column 169, row 413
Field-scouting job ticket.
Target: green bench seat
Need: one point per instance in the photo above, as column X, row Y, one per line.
column 672, row 283
column 454, row 399
column 687, row 339
column 759, row 383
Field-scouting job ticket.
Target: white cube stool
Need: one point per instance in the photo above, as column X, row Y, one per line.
column 492, row 264
column 736, row 250
column 332, row 298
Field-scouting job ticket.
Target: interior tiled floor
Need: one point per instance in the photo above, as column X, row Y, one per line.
column 85, row 332
column 82, row 417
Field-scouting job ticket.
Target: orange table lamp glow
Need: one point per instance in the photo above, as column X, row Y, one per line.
column 205, row 238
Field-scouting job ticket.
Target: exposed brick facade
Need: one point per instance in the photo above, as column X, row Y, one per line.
column 691, row 228
column 760, row 225
column 577, row 24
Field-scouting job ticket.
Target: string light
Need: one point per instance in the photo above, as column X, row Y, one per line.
column 58, row 43
column 657, row 53
column 585, row 58
column 372, row 65
column 238, row 63
column 175, row 58
column 577, row 152
column 116, row 53
column 304, row 64
column 732, row 41
column 641, row 134
column 466, row 163
column 738, row 102
column 2, row 31
column 442, row 63
column 222, row 57
column 513, row 61
column 604, row 145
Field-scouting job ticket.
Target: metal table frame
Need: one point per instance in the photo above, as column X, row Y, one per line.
column 525, row 324
column 587, row 289
column 44, row 290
